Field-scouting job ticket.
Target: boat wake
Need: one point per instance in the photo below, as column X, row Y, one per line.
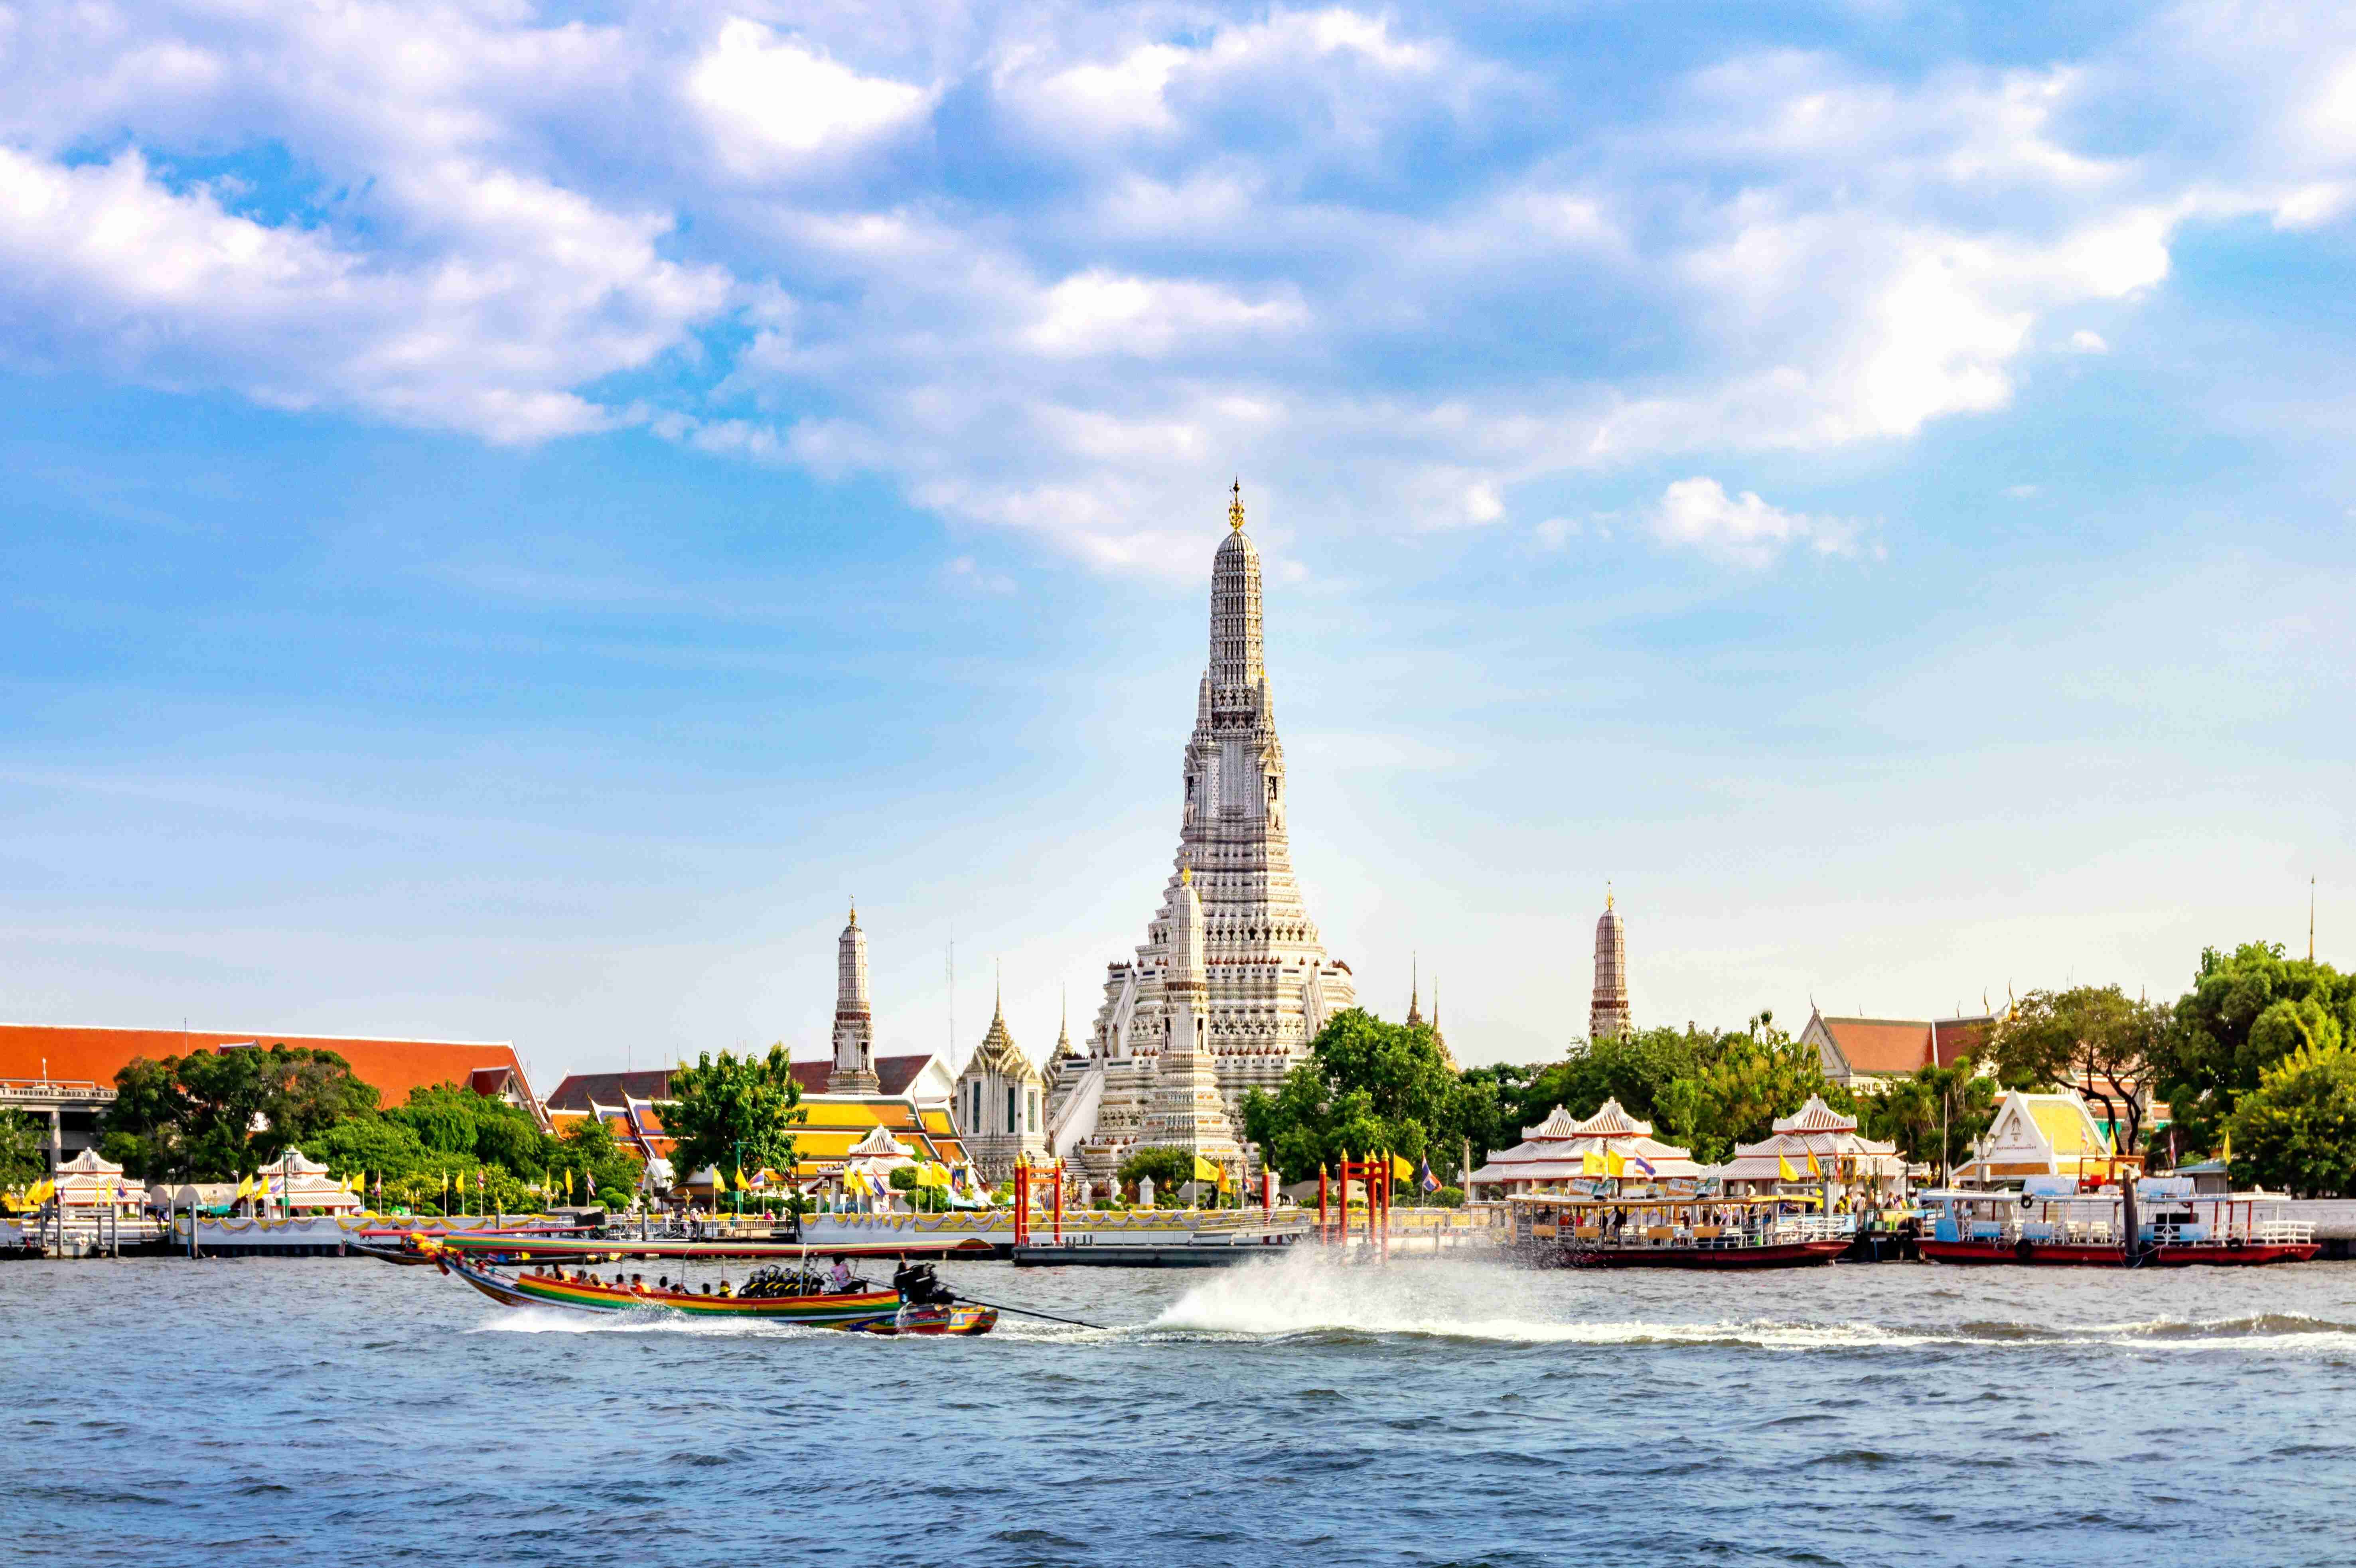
column 1290, row 1302
column 554, row 1320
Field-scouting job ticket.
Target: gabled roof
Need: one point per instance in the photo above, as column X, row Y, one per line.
column 1559, row 1124
column 580, row 1090
column 1880, row 1045
column 1610, row 1122
column 1815, row 1116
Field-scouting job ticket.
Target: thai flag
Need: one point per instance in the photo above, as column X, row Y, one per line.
column 1429, row 1182
column 1641, row 1163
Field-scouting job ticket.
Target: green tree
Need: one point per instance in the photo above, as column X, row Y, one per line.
column 1934, row 1115
column 734, row 1115
column 214, row 1116
column 1634, row 1067
column 1755, row 1077
column 2247, row 1010
column 1366, row 1085
column 2093, row 1039
column 598, row 1165
column 23, row 1155
column 2296, row 1130
column 1169, row 1168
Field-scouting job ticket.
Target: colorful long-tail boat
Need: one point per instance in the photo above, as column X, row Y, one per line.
column 862, row 1311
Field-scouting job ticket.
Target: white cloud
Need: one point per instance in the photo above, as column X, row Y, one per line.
column 1331, row 246
column 1743, row 530
column 772, row 104
column 2084, row 341
column 173, row 287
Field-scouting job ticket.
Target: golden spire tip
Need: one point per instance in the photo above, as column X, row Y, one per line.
column 1235, row 506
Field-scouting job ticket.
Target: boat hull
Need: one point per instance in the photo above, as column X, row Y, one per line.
column 872, row 1310
column 2051, row 1254
column 2230, row 1254
column 963, row 1318
column 1787, row 1254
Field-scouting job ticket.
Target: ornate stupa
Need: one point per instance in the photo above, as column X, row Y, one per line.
column 1608, row 1014
column 854, row 1024
column 1267, row 985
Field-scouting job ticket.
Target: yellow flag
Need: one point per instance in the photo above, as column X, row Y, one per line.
column 1591, row 1163
column 1402, row 1169
column 1813, row 1169
column 2225, row 1152
column 1615, row 1164
column 1784, row 1167
column 1205, row 1170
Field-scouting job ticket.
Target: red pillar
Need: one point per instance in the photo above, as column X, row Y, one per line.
column 1320, row 1205
column 1022, row 1204
column 1059, row 1203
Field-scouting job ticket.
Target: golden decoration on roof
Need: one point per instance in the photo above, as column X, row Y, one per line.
column 1236, row 506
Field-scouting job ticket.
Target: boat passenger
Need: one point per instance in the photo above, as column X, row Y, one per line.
column 707, row 1287
column 638, row 1285
column 839, row 1278
column 725, row 1290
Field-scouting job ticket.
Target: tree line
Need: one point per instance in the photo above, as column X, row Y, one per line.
column 2259, row 1054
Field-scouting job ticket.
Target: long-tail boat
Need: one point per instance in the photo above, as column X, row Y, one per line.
column 861, row 1311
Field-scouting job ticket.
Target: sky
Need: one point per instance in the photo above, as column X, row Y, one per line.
column 513, row 516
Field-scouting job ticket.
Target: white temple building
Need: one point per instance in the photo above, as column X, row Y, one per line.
column 1266, row 983
column 854, row 1016
column 1607, row 1014
column 1000, row 1105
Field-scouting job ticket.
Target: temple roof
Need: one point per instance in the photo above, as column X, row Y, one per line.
column 1815, row 1116
column 1610, row 1121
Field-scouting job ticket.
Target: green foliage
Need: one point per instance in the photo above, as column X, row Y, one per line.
column 1911, row 1110
column 23, row 1144
column 1754, row 1077
column 600, row 1168
column 1367, row 1086
column 734, row 1115
column 2296, row 1130
column 2246, row 1011
column 216, row 1116
column 1634, row 1069
column 2094, row 1039
column 923, row 1200
column 1446, row 1198
column 1169, row 1168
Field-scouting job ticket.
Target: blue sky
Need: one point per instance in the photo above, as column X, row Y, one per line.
column 514, row 516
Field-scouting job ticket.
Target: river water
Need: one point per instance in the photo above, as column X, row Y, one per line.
column 313, row 1411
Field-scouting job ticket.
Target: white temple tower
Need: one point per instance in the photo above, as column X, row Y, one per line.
column 1608, row 1014
column 999, row 1103
column 1268, row 983
column 1189, row 1112
column 854, row 1026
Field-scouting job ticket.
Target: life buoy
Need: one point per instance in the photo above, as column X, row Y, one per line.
column 2024, row 1249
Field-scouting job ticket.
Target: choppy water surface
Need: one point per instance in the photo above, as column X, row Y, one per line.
column 1436, row 1412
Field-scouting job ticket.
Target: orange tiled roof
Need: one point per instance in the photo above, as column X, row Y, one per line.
column 74, row 1053
column 1882, row 1045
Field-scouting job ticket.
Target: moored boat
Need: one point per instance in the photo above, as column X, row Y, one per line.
column 2055, row 1226
column 1713, row 1233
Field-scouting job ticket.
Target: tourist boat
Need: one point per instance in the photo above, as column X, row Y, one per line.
column 2051, row 1227
column 862, row 1311
column 613, row 1249
column 1645, row 1232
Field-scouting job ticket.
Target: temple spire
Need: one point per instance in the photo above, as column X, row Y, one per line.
column 1414, row 989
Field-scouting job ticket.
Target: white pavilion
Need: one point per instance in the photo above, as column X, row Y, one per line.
column 1554, row 1154
column 1816, row 1130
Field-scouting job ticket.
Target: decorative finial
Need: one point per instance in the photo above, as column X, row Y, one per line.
column 1185, row 876
column 854, row 912
column 1607, row 892
column 1236, row 506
